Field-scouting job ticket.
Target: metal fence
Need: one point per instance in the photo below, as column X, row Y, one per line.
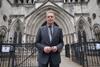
column 87, row 54
column 24, row 55
column 17, row 55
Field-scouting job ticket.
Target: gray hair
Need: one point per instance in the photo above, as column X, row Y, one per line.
column 50, row 11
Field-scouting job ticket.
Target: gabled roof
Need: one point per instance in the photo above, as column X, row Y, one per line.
column 82, row 18
column 46, row 3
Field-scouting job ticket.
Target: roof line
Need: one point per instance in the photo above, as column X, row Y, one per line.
column 44, row 4
column 36, row 9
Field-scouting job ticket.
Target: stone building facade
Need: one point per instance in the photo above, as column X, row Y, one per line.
column 20, row 19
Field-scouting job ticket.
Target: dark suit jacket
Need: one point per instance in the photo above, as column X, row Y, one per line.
column 42, row 40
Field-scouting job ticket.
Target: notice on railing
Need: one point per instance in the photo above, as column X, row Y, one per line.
column 5, row 48
column 97, row 46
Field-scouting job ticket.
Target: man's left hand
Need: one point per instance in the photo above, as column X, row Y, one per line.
column 54, row 49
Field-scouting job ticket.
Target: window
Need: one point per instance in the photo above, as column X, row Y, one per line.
column 0, row 3
column 82, row 0
column 76, row 1
column 24, row 1
column 4, row 17
column 2, row 35
column 81, row 24
column 94, row 16
column 98, row 2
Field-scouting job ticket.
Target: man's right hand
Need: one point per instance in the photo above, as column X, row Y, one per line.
column 47, row 49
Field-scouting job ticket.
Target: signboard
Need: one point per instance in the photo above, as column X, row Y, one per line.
column 5, row 48
column 97, row 46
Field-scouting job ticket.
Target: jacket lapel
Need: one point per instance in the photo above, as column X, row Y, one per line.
column 47, row 34
column 54, row 32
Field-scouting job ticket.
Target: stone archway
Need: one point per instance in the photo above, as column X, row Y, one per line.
column 37, row 18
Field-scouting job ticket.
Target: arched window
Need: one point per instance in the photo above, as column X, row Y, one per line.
column 76, row 0
column 15, row 37
column 2, row 35
column 80, row 25
column 18, row 32
column 81, row 31
column 98, row 2
column 3, row 32
column 20, row 38
column 0, row 3
column 94, row 16
column 4, row 17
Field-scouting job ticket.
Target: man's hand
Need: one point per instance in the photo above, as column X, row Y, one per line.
column 47, row 49
column 54, row 49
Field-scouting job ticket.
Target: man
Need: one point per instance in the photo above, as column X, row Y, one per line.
column 49, row 42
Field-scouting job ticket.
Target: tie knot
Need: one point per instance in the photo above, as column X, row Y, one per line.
column 50, row 26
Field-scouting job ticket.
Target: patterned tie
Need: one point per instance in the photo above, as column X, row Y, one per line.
column 50, row 27
column 50, row 33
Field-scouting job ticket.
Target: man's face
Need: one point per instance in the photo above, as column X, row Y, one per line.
column 50, row 18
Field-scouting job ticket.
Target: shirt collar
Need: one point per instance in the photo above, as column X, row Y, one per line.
column 49, row 25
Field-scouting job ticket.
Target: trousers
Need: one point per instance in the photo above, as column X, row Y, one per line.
column 50, row 64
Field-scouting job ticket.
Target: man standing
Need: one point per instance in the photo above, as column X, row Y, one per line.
column 49, row 42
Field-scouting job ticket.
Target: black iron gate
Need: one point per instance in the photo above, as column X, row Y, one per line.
column 86, row 54
column 24, row 55
column 18, row 55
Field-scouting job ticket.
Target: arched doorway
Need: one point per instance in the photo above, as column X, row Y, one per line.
column 37, row 18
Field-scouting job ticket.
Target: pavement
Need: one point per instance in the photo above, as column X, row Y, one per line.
column 67, row 62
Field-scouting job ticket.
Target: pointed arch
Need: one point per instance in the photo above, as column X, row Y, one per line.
column 17, row 25
column 38, row 18
column 16, row 29
column 83, row 26
column 82, row 21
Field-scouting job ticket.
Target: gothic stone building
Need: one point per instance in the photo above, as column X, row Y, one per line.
column 20, row 19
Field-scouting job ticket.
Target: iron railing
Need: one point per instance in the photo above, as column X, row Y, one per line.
column 87, row 53
column 18, row 55
column 24, row 55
